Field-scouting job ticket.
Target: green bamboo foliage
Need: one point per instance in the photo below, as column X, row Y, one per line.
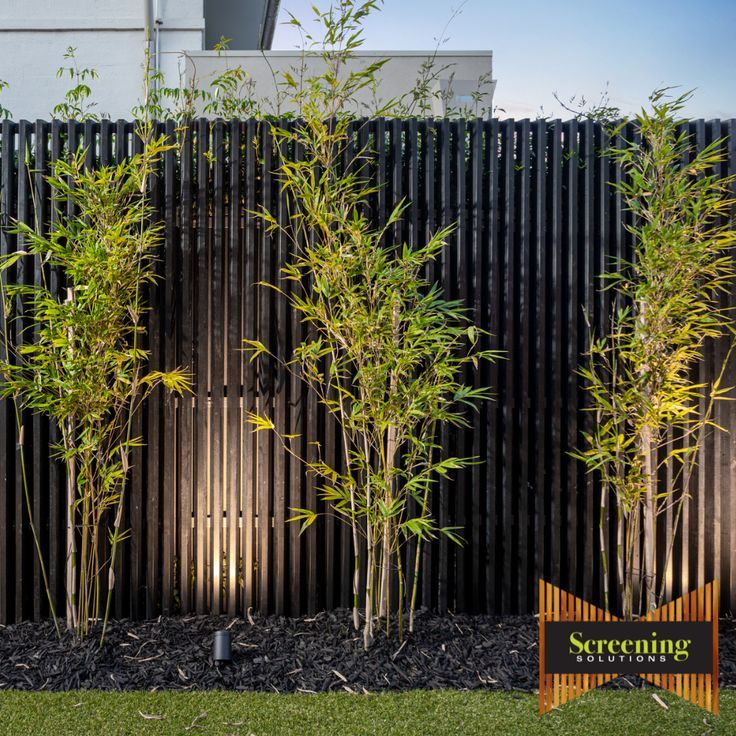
column 639, row 375
column 385, row 351
column 82, row 363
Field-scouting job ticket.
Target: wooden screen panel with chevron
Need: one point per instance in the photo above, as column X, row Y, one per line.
column 556, row 604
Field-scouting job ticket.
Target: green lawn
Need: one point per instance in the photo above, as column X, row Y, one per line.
column 420, row 712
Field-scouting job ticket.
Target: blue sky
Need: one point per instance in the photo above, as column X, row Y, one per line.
column 571, row 46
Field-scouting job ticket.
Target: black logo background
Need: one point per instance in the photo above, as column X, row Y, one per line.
column 559, row 660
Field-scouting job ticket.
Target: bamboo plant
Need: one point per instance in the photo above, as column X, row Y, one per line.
column 639, row 376
column 79, row 359
column 385, row 351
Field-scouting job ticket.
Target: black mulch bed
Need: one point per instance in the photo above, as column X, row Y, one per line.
column 287, row 655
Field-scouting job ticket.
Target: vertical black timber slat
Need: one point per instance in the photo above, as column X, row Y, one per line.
column 89, row 146
column 233, row 365
column 153, row 425
column 603, row 261
column 106, row 141
column 718, row 564
column 539, row 377
column 186, row 568
column 708, row 460
column 8, row 431
column 280, row 392
column 122, row 571
column 397, row 190
column 57, row 481
column 22, row 323
column 170, row 287
column 477, row 273
column 366, row 141
column 714, row 354
column 218, row 293
column 250, row 326
column 590, row 245
column 619, row 213
column 507, row 335
column 461, row 437
column 571, row 214
column 89, row 143
column 380, row 169
column 105, row 158
column 44, row 490
column 705, row 455
column 412, row 238
column 522, row 392
column 444, row 581
column 492, row 323
column 635, row 137
column 266, row 383
column 40, row 448
column 74, row 147
column 203, row 347
column 688, row 529
column 312, row 573
column 352, row 163
column 297, row 403
column 428, row 132
column 137, row 497
column 327, row 524
column 7, row 415
column 554, row 348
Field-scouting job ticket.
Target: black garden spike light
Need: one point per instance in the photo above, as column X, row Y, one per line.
column 222, row 650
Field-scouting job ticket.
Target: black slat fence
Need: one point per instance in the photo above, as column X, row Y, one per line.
column 537, row 221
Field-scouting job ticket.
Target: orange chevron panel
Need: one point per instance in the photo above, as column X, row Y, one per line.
column 556, row 604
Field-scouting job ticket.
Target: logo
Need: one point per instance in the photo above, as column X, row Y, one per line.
column 582, row 647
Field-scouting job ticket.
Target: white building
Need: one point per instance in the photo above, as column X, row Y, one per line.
column 452, row 79
column 110, row 36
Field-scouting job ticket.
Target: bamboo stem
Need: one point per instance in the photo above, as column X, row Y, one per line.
column 602, row 525
column 400, row 602
column 417, row 563
column 650, row 572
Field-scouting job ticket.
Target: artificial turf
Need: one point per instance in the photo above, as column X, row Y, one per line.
column 404, row 714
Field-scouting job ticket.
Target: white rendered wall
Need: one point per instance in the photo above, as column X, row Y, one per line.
column 109, row 36
column 396, row 78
